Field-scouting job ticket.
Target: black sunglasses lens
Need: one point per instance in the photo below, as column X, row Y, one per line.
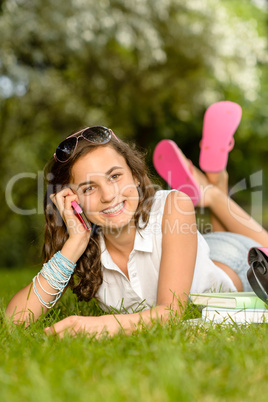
column 97, row 134
column 65, row 149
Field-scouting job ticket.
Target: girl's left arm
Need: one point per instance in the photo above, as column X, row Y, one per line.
column 179, row 248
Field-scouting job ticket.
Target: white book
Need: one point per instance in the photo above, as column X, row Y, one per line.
column 231, row 315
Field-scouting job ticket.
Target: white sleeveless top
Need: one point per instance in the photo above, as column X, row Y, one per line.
column 117, row 293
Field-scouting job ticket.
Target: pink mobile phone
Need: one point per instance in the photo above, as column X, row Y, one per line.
column 81, row 215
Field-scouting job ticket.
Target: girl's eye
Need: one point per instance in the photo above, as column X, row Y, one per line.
column 115, row 176
column 88, row 189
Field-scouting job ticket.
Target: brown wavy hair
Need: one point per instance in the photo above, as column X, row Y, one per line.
column 87, row 276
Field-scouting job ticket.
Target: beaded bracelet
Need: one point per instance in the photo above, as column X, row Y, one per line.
column 57, row 272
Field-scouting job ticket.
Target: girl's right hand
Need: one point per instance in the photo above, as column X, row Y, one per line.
column 78, row 235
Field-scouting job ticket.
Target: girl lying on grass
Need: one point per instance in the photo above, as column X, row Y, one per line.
column 143, row 252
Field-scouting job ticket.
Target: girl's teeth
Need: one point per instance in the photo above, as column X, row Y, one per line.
column 113, row 210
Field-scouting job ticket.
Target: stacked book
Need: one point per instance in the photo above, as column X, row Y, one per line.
column 234, row 307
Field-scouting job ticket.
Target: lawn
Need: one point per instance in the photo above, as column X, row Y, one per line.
column 175, row 362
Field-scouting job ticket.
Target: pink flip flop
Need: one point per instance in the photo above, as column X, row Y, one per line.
column 220, row 122
column 170, row 165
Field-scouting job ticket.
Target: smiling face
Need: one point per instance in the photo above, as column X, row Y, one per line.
column 106, row 188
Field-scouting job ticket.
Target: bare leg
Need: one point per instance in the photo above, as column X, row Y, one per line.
column 205, row 181
column 226, row 212
column 207, row 184
column 219, row 180
column 226, row 215
column 233, row 217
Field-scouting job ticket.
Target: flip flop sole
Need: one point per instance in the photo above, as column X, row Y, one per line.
column 220, row 123
column 170, row 165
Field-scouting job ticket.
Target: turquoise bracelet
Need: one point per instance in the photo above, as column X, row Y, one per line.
column 57, row 272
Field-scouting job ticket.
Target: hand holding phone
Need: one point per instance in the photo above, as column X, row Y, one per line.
column 81, row 215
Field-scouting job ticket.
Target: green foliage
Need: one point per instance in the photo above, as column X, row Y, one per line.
column 148, row 69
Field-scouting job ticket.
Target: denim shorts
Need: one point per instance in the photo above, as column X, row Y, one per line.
column 232, row 250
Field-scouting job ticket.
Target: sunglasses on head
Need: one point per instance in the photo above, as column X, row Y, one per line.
column 95, row 135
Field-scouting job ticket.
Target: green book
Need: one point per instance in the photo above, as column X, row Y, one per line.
column 230, row 300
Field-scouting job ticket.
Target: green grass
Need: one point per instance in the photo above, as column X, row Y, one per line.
column 175, row 362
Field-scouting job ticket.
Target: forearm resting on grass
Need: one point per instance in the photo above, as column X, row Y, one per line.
column 25, row 306
column 112, row 324
column 161, row 312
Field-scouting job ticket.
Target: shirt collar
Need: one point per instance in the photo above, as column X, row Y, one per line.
column 143, row 241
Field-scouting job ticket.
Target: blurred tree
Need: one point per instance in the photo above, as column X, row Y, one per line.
column 146, row 68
